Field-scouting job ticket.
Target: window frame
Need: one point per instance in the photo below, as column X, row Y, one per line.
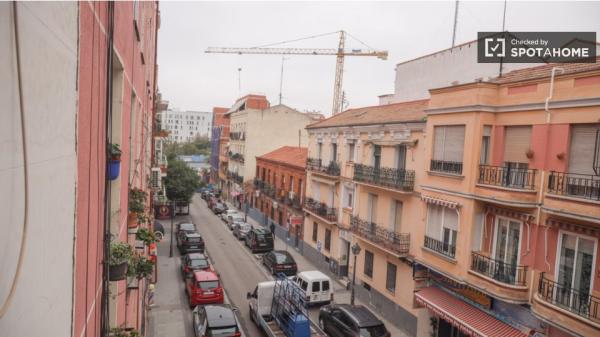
column 558, row 256
column 368, row 271
column 387, row 277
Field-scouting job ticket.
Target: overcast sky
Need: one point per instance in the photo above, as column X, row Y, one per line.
column 192, row 79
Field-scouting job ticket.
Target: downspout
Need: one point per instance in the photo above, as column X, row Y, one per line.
column 105, row 314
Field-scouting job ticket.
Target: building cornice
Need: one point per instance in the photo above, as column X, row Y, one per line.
column 574, row 103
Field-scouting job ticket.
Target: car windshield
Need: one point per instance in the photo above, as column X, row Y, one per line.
column 199, row 263
column 187, row 227
column 207, row 285
column 194, row 239
column 283, row 258
column 373, row 331
column 264, row 237
column 223, row 332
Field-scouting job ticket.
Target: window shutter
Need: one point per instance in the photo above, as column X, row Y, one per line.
column 438, row 142
column 434, row 221
column 581, row 151
column 517, row 140
column 450, row 219
column 454, row 143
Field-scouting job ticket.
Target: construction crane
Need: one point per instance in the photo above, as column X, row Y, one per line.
column 340, row 52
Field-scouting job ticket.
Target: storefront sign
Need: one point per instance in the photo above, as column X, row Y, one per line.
column 464, row 290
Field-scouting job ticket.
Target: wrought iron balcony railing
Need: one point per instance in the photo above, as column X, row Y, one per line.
column 507, row 177
column 570, row 299
column 440, row 247
column 451, row 167
column 574, row 185
column 384, row 176
column 396, row 242
column 332, row 169
column 235, row 177
column 321, row 209
column 498, row 270
column 236, row 156
column 259, row 184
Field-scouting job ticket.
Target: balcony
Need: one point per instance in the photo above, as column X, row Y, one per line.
column 320, row 209
column 440, row 247
column 236, row 157
column 235, row 177
column 498, row 270
column 399, row 179
column 574, row 185
column 398, row 243
column 522, row 179
column 450, row 167
column 316, row 165
column 237, row 135
column 293, row 201
column 581, row 304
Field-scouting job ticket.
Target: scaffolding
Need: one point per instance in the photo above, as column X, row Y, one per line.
column 289, row 308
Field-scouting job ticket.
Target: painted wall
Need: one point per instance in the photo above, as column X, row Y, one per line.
column 48, row 48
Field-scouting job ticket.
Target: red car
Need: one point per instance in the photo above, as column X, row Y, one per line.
column 204, row 287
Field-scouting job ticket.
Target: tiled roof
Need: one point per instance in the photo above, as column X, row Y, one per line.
column 390, row 113
column 291, row 155
column 545, row 70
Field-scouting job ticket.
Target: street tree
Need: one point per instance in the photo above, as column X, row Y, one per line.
column 181, row 181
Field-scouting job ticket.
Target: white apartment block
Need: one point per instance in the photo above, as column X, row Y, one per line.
column 184, row 126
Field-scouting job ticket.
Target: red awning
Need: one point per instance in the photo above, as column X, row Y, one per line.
column 469, row 319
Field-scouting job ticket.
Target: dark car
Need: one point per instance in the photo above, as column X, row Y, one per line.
column 341, row 320
column 186, row 227
column 219, row 208
column 194, row 261
column 216, row 320
column 280, row 261
column 259, row 240
column 190, row 242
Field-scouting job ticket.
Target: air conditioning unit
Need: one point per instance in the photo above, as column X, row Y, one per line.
column 155, row 178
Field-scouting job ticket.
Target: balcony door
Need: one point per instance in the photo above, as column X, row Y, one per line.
column 506, row 249
column 574, row 271
column 517, row 140
column 376, row 162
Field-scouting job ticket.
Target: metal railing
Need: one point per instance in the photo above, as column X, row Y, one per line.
column 440, row 247
column 451, row 167
column 259, row 184
column 332, row 169
column 563, row 296
column 574, row 185
column 236, row 156
column 384, row 176
column 397, row 242
column 235, row 177
column 507, row 177
column 499, row 270
column 321, row 209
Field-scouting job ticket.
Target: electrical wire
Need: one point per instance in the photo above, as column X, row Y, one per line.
column 14, row 283
column 298, row 39
column 357, row 39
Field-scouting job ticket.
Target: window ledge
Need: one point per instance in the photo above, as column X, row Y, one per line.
column 506, row 188
column 445, row 257
column 444, row 174
column 571, row 198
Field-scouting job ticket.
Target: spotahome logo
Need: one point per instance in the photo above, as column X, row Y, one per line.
column 536, row 47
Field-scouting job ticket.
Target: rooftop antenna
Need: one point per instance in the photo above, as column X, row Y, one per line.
column 239, row 82
column 503, row 29
column 455, row 21
column 281, row 80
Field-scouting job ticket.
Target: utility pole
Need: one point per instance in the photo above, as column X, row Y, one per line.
column 455, row 21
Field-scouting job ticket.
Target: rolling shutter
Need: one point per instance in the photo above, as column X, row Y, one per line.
column 449, row 143
column 581, row 151
column 517, row 141
column 438, row 142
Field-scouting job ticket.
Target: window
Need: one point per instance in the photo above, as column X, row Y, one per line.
column 376, row 156
column 484, row 158
column 325, row 285
column 316, row 286
column 372, row 208
column 316, row 190
column 583, row 147
column 400, row 153
column 396, row 215
column 506, row 248
column 350, row 149
column 390, row 280
column 368, row 268
column 348, row 197
column 448, row 147
column 517, row 141
column 319, row 150
column 315, row 231
column 291, row 184
column 327, row 239
column 575, row 270
column 333, row 152
column 442, row 229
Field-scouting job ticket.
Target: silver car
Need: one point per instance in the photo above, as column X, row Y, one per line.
column 240, row 229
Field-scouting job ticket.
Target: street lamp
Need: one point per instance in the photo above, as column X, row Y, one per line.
column 355, row 251
column 172, row 219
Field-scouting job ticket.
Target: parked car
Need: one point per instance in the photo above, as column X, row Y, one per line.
column 241, row 229
column 316, row 286
column 159, row 230
column 218, row 320
column 219, row 208
column 227, row 213
column 190, row 242
column 280, row 261
column 186, row 227
column 231, row 219
column 341, row 320
column 212, row 201
column 203, row 287
column 259, row 240
column 194, row 261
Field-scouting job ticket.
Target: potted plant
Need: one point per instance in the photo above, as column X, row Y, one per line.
column 140, row 267
column 137, row 200
column 120, row 253
column 146, row 235
column 114, row 162
column 529, row 153
column 121, row 332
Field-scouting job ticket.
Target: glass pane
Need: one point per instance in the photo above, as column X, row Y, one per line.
column 566, row 261
column 583, row 266
column 501, row 237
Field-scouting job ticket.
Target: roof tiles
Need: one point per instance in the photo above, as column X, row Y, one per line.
column 291, row 155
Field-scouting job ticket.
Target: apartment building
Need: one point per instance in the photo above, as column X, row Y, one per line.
column 255, row 129
column 361, row 172
column 511, row 203
column 223, row 153
column 219, row 122
column 185, row 125
column 78, row 75
column 279, row 188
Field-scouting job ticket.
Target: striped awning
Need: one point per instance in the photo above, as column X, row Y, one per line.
column 470, row 320
column 441, row 202
column 509, row 213
column 571, row 227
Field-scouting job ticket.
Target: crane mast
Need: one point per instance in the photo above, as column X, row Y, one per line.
column 340, row 54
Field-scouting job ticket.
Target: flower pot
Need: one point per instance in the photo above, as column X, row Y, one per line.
column 132, row 220
column 117, row 272
column 114, row 167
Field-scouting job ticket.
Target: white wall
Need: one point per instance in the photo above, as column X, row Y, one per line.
column 178, row 123
column 42, row 304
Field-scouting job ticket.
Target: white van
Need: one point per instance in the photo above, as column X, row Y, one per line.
column 317, row 286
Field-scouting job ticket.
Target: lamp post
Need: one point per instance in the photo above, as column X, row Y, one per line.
column 172, row 220
column 355, row 251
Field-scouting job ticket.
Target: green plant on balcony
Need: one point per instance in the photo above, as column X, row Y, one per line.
column 114, row 152
column 145, row 235
column 140, row 267
column 137, row 200
column 121, row 332
column 118, row 260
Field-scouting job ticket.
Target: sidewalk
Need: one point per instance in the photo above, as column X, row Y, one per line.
column 341, row 295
